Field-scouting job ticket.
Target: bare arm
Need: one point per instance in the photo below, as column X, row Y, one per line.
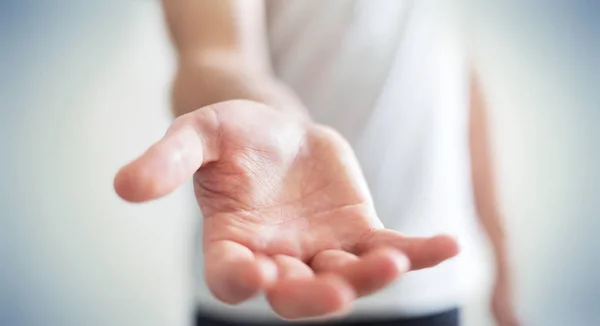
column 487, row 207
column 223, row 54
column 483, row 175
column 260, row 176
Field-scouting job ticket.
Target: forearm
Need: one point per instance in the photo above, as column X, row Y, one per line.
column 222, row 51
column 201, row 82
column 198, row 27
column 484, row 185
column 491, row 221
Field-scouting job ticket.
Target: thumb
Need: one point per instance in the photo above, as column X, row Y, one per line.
column 190, row 142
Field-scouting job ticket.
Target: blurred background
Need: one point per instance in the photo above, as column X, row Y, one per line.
column 75, row 76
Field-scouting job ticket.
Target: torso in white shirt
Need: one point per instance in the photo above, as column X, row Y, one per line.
column 392, row 77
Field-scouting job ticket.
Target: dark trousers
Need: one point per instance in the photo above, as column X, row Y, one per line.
column 446, row 318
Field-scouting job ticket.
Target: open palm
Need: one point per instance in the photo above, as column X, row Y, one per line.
column 286, row 209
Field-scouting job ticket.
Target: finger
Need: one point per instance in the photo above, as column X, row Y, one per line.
column 366, row 274
column 330, row 260
column 234, row 273
column 306, row 298
column 289, row 267
column 422, row 252
column 189, row 142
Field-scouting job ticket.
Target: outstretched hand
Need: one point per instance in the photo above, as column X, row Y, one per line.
column 286, row 209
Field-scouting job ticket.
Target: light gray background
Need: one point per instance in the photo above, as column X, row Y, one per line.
column 84, row 88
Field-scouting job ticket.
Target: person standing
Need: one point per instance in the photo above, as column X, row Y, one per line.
column 335, row 146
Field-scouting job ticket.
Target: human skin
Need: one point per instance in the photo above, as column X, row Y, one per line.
column 286, row 210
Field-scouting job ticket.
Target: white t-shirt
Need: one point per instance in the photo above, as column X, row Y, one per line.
column 392, row 77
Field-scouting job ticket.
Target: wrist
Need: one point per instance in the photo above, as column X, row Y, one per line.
column 202, row 83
